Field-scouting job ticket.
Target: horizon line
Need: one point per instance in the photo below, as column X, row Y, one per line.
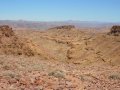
column 57, row 20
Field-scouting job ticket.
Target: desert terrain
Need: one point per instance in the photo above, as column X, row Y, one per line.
column 59, row 58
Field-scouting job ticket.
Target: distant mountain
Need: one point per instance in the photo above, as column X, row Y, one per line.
column 46, row 25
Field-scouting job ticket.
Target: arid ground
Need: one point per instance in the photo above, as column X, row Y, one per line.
column 60, row 58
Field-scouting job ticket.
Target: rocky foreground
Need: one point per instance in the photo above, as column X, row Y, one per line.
column 61, row 58
column 20, row 73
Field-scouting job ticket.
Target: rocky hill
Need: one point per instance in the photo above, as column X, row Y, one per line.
column 11, row 44
column 70, row 44
column 60, row 58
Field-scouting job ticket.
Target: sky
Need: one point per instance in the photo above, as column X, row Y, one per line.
column 60, row 10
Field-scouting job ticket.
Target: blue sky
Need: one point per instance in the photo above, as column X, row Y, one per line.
column 60, row 10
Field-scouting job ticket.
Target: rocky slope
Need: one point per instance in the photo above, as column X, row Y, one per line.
column 64, row 58
column 77, row 46
column 11, row 44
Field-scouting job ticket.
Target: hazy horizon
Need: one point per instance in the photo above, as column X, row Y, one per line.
column 23, row 20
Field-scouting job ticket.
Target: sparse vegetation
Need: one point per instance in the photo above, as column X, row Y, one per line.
column 59, row 58
column 57, row 74
column 114, row 77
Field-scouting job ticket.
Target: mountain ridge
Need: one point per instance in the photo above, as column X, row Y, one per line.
column 43, row 25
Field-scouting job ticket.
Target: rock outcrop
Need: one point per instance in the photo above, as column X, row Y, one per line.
column 5, row 30
column 69, row 27
column 115, row 30
column 12, row 44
